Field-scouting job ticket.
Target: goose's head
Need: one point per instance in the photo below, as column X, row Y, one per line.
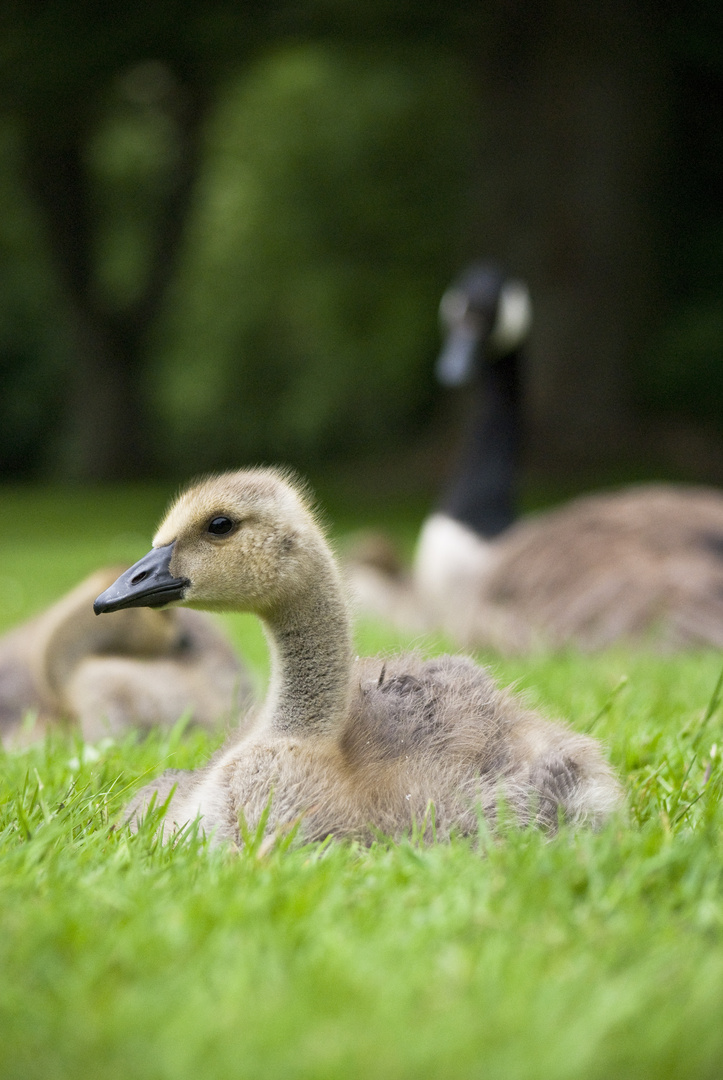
column 242, row 541
column 485, row 315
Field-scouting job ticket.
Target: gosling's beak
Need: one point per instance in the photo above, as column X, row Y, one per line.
column 460, row 356
column 148, row 583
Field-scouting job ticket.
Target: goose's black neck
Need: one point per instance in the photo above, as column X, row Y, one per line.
column 483, row 491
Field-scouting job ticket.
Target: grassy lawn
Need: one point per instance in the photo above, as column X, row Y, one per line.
column 594, row 956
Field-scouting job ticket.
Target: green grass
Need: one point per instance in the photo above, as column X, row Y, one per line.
column 586, row 956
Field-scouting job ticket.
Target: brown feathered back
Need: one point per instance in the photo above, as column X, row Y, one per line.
column 640, row 565
column 645, row 564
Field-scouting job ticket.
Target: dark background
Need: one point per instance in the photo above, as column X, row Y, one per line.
column 225, row 229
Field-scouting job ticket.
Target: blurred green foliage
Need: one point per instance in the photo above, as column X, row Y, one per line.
column 301, row 323
column 683, row 371
column 332, row 200
column 313, row 263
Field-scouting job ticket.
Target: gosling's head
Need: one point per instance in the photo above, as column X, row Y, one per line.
column 240, row 541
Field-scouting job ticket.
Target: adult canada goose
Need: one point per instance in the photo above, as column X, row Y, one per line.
column 344, row 746
column 643, row 563
column 136, row 669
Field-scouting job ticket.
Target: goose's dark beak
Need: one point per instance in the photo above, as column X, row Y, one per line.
column 460, row 356
column 148, row 583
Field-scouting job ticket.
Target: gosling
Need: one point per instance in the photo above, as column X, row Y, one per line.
column 138, row 669
column 342, row 747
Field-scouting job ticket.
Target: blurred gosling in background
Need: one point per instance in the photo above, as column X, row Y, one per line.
column 138, row 669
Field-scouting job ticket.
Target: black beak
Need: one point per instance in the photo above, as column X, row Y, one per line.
column 460, row 356
column 148, row 583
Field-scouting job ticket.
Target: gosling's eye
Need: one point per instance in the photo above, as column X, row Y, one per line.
column 220, row 525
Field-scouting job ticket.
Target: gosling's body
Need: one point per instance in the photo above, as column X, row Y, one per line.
column 139, row 668
column 432, row 732
column 344, row 747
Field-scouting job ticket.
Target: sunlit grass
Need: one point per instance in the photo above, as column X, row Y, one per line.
column 591, row 955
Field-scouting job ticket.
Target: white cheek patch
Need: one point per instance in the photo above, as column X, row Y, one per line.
column 514, row 317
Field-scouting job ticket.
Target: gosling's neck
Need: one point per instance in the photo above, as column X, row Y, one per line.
column 311, row 656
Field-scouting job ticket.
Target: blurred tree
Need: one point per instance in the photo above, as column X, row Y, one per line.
column 576, row 105
column 599, row 178
column 108, row 107
column 243, row 215
column 353, row 176
column 680, row 374
column 32, row 359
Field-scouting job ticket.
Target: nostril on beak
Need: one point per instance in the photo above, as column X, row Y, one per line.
column 138, row 578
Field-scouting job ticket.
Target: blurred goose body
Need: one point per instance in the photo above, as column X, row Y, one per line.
column 643, row 563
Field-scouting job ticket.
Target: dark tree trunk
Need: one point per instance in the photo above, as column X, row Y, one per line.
column 572, row 106
column 109, row 429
